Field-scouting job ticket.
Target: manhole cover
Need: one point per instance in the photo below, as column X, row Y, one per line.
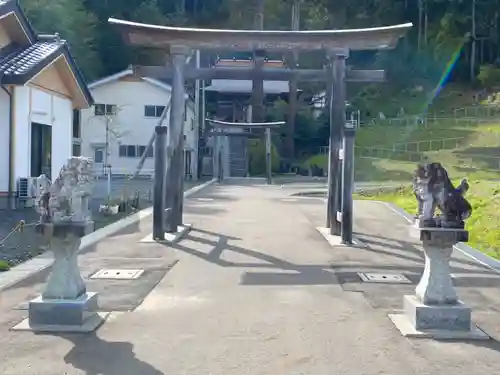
column 395, row 278
column 122, row 274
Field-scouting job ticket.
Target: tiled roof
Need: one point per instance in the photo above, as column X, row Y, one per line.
column 22, row 62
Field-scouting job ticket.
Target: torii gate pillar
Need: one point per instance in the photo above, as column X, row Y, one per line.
column 337, row 114
column 175, row 150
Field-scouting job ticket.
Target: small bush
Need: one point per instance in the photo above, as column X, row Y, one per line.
column 257, row 157
column 489, row 75
column 4, row 265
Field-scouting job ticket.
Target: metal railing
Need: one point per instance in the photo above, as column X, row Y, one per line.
column 491, row 163
column 427, row 121
column 436, row 144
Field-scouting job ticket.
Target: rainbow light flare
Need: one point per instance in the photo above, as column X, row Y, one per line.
column 444, row 77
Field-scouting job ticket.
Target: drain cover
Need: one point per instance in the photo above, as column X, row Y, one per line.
column 395, row 278
column 122, row 274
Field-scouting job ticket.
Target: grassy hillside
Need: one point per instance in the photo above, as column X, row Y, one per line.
column 483, row 225
column 391, row 152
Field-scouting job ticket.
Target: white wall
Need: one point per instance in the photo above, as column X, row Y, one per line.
column 62, row 133
column 130, row 123
column 34, row 105
column 4, row 140
column 22, row 133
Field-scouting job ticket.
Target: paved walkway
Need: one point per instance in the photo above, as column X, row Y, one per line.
column 256, row 290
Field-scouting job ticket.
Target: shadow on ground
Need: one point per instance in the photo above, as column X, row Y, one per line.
column 288, row 273
column 294, row 274
column 95, row 356
column 414, row 253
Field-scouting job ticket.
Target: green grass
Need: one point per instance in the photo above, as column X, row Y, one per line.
column 484, row 224
column 389, row 98
column 477, row 155
column 4, row 265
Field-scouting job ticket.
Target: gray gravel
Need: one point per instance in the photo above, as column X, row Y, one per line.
column 21, row 246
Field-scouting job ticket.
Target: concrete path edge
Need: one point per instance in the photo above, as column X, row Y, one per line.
column 465, row 249
column 41, row 262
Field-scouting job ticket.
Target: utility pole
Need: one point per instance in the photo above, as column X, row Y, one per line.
column 258, row 84
column 107, row 167
column 420, row 22
column 197, row 118
column 292, row 99
column 258, row 96
column 473, row 44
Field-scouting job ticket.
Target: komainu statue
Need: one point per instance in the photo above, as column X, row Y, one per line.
column 434, row 189
column 66, row 200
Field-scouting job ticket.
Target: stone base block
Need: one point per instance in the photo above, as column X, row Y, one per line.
column 438, row 322
column 175, row 237
column 453, row 317
column 53, row 315
column 337, row 240
column 439, row 236
column 90, row 325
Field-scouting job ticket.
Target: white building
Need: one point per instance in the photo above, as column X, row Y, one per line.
column 40, row 88
column 117, row 129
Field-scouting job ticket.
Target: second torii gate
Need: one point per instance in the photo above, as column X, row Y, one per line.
column 179, row 41
column 223, row 125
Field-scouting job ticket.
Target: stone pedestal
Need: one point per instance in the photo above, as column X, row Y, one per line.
column 435, row 311
column 170, row 238
column 65, row 305
column 65, row 281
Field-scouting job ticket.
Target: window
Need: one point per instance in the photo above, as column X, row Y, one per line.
column 76, row 124
column 134, row 151
column 131, row 151
column 187, row 164
column 77, row 149
column 105, row 109
column 99, row 155
column 153, row 110
column 127, row 151
column 122, row 151
column 140, row 150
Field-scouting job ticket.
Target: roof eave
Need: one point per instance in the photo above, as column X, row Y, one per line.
column 77, row 73
column 110, row 78
column 13, row 6
column 14, row 79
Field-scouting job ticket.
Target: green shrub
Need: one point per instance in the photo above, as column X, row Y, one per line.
column 257, row 157
column 489, row 75
column 4, row 265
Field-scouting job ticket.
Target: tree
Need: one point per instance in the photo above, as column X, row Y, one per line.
column 73, row 23
column 111, row 128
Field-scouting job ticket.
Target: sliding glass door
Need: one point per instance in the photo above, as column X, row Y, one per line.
column 41, row 150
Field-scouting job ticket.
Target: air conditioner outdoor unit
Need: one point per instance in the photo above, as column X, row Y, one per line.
column 26, row 190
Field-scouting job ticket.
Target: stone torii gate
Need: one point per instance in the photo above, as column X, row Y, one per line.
column 178, row 42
